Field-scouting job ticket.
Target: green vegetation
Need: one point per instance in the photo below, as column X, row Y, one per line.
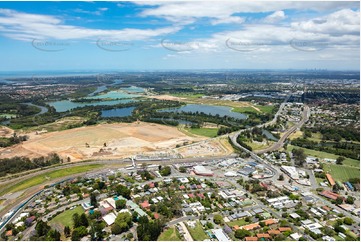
column 18, row 164
column 197, row 232
column 342, row 173
column 239, row 222
column 66, row 217
column 188, row 95
column 207, row 132
column 254, row 109
column 265, row 108
column 322, row 155
column 249, row 109
column 170, row 234
column 36, row 180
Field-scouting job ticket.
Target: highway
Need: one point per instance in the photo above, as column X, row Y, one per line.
column 305, row 116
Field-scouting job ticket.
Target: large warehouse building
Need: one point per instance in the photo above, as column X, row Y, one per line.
column 202, row 171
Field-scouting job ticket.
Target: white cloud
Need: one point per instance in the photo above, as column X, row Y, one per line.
column 275, row 17
column 342, row 22
column 23, row 26
column 189, row 11
column 228, row 20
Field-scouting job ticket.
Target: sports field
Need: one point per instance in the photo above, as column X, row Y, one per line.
column 341, row 172
column 66, row 218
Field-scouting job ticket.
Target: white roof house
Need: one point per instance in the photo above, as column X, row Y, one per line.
column 109, row 218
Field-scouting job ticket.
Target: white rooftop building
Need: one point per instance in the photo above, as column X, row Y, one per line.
column 109, row 218
column 291, row 171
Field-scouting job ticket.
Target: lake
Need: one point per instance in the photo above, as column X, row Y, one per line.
column 134, row 89
column 65, row 105
column 207, row 109
column 117, row 112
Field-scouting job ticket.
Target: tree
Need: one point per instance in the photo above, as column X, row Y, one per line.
column 123, row 191
column 350, row 200
column 339, row 160
column 120, row 204
column 165, row 171
column 93, row 200
column 218, row 219
column 116, row 229
column 53, row 235
column 241, row 233
column 182, row 169
column 83, row 220
column 42, row 228
column 348, row 221
column 76, row 220
column 78, row 233
column 299, row 156
column 339, row 200
column 281, row 177
column 67, row 231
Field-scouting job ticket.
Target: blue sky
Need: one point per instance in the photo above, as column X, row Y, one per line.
column 163, row 35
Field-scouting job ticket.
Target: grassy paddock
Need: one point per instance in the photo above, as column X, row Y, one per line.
column 48, row 176
column 322, row 155
column 170, row 234
column 239, row 222
column 207, row 132
column 66, row 217
column 198, row 233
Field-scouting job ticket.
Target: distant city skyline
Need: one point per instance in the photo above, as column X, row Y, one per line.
column 121, row 36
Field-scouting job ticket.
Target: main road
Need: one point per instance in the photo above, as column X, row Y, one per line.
column 281, row 141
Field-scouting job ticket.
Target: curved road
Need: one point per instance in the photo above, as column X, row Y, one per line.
column 281, row 141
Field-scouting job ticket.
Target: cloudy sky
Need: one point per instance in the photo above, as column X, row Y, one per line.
column 162, row 35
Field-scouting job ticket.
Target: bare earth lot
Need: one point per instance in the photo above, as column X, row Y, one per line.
column 122, row 140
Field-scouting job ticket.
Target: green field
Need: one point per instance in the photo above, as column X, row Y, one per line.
column 207, row 132
column 264, row 109
column 259, row 146
column 188, row 95
column 341, row 172
column 48, row 176
column 198, row 233
column 239, row 222
column 322, row 155
column 66, row 217
column 170, row 234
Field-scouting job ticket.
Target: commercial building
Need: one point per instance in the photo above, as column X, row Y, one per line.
column 202, row 171
column 290, row 171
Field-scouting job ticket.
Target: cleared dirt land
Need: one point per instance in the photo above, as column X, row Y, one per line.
column 122, row 140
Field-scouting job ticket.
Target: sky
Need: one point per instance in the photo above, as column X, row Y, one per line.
column 160, row 35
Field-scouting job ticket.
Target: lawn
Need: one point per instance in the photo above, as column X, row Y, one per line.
column 296, row 135
column 266, row 108
column 48, row 176
column 197, row 233
column 342, row 172
column 170, row 234
column 207, row 132
column 239, row 222
column 322, row 155
column 245, row 109
column 66, row 217
column 258, row 145
column 188, row 95
column 254, row 109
